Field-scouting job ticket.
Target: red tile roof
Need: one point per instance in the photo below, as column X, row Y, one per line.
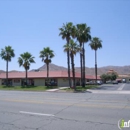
column 42, row 74
column 92, row 77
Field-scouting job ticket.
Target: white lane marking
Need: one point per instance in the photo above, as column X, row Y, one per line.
column 121, row 87
column 39, row 114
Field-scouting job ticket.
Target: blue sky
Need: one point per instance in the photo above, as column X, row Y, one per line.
column 31, row 25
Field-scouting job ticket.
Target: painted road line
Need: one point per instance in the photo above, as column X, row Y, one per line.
column 66, row 103
column 121, row 87
column 61, row 103
column 90, row 100
column 76, row 105
column 38, row 114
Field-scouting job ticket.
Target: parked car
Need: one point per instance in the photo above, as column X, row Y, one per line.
column 99, row 82
column 115, row 82
column 94, row 82
column 89, row 83
column 109, row 82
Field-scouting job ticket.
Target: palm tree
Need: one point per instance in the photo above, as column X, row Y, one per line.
column 47, row 54
column 96, row 44
column 25, row 60
column 83, row 36
column 7, row 54
column 73, row 49
column 66, row 32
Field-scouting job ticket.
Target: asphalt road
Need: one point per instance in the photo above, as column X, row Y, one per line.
column 62, row 111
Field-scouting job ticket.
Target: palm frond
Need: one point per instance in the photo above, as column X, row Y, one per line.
column 25, row 60
column 95, row 43
column 83, row 33
column 7, row 53
column 46, row 54
column 72, row 47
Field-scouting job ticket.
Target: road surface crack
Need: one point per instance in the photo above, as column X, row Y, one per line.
column 92, row 122
column 46, row 124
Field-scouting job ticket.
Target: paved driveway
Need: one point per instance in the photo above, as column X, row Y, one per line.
column 109, row 87
column 127, row 87
column 112, row 87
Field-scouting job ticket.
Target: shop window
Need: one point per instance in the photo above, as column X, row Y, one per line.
column 77, row 82
column 52, row 82
column 16, row 80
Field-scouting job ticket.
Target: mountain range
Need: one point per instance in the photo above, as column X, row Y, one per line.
column 89, row 71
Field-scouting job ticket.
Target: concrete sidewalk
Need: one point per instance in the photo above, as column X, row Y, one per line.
column 54, row 90
column 109, row 91
column 94, row 91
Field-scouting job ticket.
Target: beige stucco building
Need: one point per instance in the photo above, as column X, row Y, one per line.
column 57, row 78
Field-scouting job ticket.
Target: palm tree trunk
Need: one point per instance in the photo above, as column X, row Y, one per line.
column 96, row 65
column 83, row 66
column 68, row 61
column 47, row 74
column 7, row 73
column 26, row 77
column 73, row 71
